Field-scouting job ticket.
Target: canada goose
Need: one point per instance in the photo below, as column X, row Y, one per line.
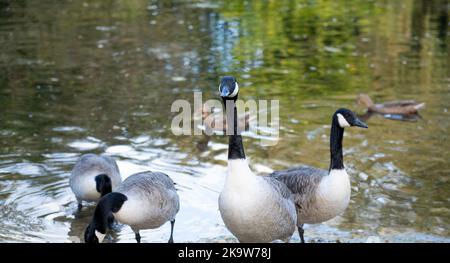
column 253, row 208
column 402, row 107
column 94, row 176
column 321, row 195
column 144, row 200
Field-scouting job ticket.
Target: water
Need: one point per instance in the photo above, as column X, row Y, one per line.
column 100, row 76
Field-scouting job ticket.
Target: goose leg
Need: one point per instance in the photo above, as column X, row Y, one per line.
column 138, row 237
column 301, row 232
column 172, row 223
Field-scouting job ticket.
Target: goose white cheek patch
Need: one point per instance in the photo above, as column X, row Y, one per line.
column 100, row 236
column 235, row 91
column 342, row 121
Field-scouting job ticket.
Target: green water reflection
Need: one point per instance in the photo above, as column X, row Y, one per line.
column 90, row 76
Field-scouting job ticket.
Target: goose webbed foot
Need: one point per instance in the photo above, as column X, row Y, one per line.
column 301, row 232
column 138, row 237
column 172, row 224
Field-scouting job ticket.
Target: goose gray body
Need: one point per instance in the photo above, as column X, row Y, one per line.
column 152, row 200
column 144, row 200
column 318, row 195
column 82, row 179
column 256, row 208
column 303, row 182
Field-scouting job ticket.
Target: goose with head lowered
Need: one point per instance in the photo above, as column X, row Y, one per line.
column 94, row 176
column 253, row 208
column 321, row 195
column 145, row 200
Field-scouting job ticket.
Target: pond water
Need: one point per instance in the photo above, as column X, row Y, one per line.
column 100, row 77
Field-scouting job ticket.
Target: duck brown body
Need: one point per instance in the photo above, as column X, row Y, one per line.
column 219, row 122
column 403, row 107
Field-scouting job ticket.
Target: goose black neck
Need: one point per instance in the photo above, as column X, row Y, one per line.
column 337, row 133
column 235, row 145
column 107, row 205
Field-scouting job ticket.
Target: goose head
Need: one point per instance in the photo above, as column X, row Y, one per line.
column 229, row 88
column 347, row 118
column 94, row 234
column 103, row 184
column 103, row 216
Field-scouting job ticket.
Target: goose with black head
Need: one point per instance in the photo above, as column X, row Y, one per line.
column 94, row 176
column 145, row 200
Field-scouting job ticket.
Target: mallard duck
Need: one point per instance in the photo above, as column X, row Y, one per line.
column 401, row 107
column 219, row 122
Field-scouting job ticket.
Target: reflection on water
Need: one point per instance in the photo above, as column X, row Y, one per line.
column 100, row 77
column 397, row 117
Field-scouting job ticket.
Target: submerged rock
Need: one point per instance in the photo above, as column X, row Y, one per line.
column 363, row 176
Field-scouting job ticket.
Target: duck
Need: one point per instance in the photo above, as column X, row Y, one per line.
column 218, row 122
column 320, row 195
column 400, row 107
column 253, row 208
column 94, row 176
column 144, row 200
